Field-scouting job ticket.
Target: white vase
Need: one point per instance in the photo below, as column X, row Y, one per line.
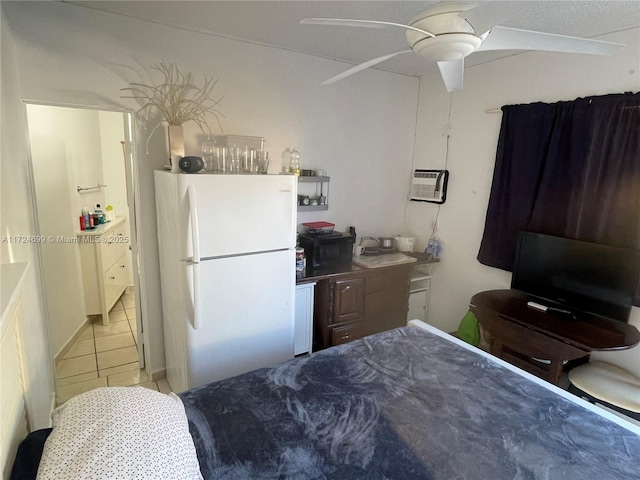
column 176, row 146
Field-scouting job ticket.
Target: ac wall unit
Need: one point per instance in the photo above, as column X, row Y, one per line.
column 429, row 186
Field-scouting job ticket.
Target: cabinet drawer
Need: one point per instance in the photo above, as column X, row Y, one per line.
column 346, row 334
column 113, row 245
column 391, row 279
column 115, row 280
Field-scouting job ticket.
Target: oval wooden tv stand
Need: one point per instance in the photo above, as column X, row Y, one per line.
column 542, row 342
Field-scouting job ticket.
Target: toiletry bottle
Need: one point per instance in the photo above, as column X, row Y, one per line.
column 98, row 211
column 87, row 217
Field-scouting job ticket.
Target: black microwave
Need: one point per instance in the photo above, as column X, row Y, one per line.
column 325, row 249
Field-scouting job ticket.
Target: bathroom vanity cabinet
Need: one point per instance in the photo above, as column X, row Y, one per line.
column 106, row 266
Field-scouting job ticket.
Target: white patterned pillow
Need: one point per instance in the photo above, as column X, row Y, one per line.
column 120, row 433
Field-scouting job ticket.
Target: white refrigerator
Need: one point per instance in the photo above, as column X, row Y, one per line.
column 227, row 266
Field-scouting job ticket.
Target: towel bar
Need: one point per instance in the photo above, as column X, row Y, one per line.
column 84, row 189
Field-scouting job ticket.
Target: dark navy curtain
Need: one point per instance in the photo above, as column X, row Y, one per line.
column 570, row 169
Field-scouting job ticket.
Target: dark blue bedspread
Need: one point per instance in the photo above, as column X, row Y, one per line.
column 403, row 404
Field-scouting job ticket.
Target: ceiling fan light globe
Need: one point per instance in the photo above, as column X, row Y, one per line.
column 441, row 22
column 444, row 48
column 437, row 22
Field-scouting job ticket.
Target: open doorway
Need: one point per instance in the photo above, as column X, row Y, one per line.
column 81, row 160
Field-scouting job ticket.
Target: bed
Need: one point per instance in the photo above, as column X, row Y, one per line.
column 410, row 403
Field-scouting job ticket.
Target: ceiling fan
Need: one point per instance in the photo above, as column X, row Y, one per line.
column 448, row 32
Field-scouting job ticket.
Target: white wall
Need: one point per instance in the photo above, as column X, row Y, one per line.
column 359, row 130
column 17, row 219
column 113, row 168
column 52, row 132
column 524, row 78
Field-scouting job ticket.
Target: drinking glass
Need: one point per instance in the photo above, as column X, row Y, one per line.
column 234, row 165
column 252, row 160
column 262, row 162
column 208, row 151
column 221, row 159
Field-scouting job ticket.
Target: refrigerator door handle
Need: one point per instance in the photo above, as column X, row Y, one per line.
column 196, row 295
column 195, row 259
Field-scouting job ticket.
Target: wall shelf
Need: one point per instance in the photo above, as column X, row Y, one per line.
column 313, row 192
column 312, row 208
column 419, row 292
column 313, row 179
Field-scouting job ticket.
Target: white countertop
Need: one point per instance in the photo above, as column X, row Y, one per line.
column 385, row 260
column 103, row 228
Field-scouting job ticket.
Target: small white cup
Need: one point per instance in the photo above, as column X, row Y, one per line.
column 358, row 250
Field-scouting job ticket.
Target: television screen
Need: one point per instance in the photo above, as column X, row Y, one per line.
column 580, row 276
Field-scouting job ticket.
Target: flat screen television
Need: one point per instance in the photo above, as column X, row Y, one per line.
column 579, row 276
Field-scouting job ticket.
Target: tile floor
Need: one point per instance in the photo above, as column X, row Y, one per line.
column 105, row 356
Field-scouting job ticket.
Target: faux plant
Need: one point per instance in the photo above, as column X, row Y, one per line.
column 177, row 99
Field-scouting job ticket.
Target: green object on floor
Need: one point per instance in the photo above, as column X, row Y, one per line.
column 468, row 330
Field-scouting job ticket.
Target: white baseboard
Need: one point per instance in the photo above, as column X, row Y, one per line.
column 67, row 346
column 158, row 375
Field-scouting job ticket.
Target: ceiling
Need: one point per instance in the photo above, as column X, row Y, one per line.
column 275, row 23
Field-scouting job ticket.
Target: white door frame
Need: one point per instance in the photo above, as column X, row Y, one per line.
column 133, row 194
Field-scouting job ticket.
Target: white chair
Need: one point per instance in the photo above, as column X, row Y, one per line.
column 613, row 377
column 609, row 385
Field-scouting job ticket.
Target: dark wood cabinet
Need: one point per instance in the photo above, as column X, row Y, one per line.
column 348, row 300
column 386, row 299
column 352, row 305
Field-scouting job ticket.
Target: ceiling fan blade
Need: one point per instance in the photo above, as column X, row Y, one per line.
column 504, row 38
column 489, row 14
column 363, row 66
column 452, row 73
column 346, row 22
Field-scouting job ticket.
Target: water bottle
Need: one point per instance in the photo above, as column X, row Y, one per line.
column 295, row 162
column 434, row 247
column 437, row 248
